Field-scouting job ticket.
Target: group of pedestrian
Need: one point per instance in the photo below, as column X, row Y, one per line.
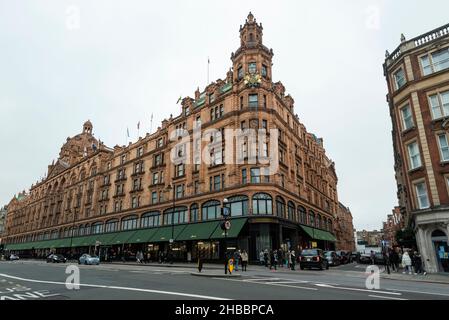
column 274, row 258
column 240, row 258
column 410, row 261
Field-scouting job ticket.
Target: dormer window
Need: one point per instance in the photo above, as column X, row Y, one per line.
column 252, row 67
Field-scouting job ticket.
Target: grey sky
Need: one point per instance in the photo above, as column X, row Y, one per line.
column 129, row 59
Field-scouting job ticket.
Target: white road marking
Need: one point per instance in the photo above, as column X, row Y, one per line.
column 422, row 292
column 117, row 288
column 381, row 297
column 287, row 282
column 357, row 289
column 268, row 283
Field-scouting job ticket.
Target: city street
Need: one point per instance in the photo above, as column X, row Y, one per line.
column 32, row 280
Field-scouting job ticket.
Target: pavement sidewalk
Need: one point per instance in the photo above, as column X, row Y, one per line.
column 430, row 278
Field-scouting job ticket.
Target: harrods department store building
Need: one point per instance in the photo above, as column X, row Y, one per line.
column 139, row 197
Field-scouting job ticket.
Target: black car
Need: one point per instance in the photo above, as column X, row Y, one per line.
column 365, row 258
column 332, row 258
column 313, row 258
column 56, row 258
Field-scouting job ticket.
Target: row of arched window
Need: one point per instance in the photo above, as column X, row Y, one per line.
column 262, row 204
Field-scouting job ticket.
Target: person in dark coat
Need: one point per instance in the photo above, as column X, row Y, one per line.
column 273, row 259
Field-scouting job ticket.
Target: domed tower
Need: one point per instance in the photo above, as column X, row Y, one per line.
column 79, row 146
column 253, row 58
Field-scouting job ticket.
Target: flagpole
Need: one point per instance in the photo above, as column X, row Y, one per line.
column 208, row 62
column 151, row 124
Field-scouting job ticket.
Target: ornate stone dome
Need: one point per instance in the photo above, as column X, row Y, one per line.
column 79, row 146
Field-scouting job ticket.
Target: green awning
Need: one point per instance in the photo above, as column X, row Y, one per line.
column 233, row 232
column 106, row 238
column 85, row 241
column 318, row 234
column 164, row 234
column 142, row 236
column 198, row 231
column 122, row 237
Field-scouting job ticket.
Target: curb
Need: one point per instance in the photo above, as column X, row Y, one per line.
column 219, row 275
column 159, row 265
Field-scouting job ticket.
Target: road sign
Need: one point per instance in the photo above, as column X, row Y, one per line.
column 226, row 211
column 227, row 225
column 171, row 240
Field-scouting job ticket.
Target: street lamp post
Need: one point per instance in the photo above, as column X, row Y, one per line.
column 172, row 240
column 225, row 211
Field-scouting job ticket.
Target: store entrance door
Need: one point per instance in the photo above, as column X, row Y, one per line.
column 439, row 240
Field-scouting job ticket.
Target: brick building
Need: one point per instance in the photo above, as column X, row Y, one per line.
column 417, row 74
column 3, row 212
column 115, row 201
column 393, row 224
column 370, row 238
column 344, row 229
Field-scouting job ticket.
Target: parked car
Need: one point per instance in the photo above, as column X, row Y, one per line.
column 344, row 256
column 56, row 258
column 379, row 259
column 313, row 258
column 88, row 259
column 332, row 258
column 354, row 256
column 365, row 258
column 13, row 257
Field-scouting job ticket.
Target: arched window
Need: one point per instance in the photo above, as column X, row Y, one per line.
column 87, row 230
column 238, row 205
column 291, row 211
column 97, row 228
column 150, row 219
column 179, row 215
column 194, row 212
column 302, row 215
column 81, row 230
column 438, row 233
column 318, row 221
column 311, row 218
column 329, row 225
column 262, row 204
column 210, row 210
column 54, row 234
column 280, row 207
column 111, row 225
column 325, row 227
column 129, row 223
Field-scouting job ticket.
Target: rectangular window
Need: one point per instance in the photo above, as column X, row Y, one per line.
column 179, row 191
column 440, row 105
column 196, row 187
column 444, row 147
column 244, row 177
column 421, row 195
column 241, row 102
column 156, row 178
column 160, row 142
column 255, row 175
column 407, row 118
column 180, row 170
column 252, row 101
column 399, row 78
column 437, row 61
column 414, row 155
column 154, row 197
column 217, row 183
column 140, row 151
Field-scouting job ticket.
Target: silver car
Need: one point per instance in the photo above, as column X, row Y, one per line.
column 88, row 259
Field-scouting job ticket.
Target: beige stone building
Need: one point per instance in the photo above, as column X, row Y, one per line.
column 417, row 74
column 115, row 201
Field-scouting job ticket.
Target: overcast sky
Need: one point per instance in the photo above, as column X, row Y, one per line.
column 122, row 61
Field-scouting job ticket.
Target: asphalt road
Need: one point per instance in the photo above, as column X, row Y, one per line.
column 32, row 280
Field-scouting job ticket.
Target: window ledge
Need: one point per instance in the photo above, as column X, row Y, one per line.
column 404, row 132
column 416, row 169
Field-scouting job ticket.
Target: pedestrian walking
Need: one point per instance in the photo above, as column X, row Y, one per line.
column 273, row 259
column 394, row 258
column 406, row 263
column 417, row 263
column 261, row 258
column 372, row 256
column 237, row 256
column 293, row 259
column 244, row 257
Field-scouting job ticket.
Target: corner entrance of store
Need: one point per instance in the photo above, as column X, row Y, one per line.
column 440, row 243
